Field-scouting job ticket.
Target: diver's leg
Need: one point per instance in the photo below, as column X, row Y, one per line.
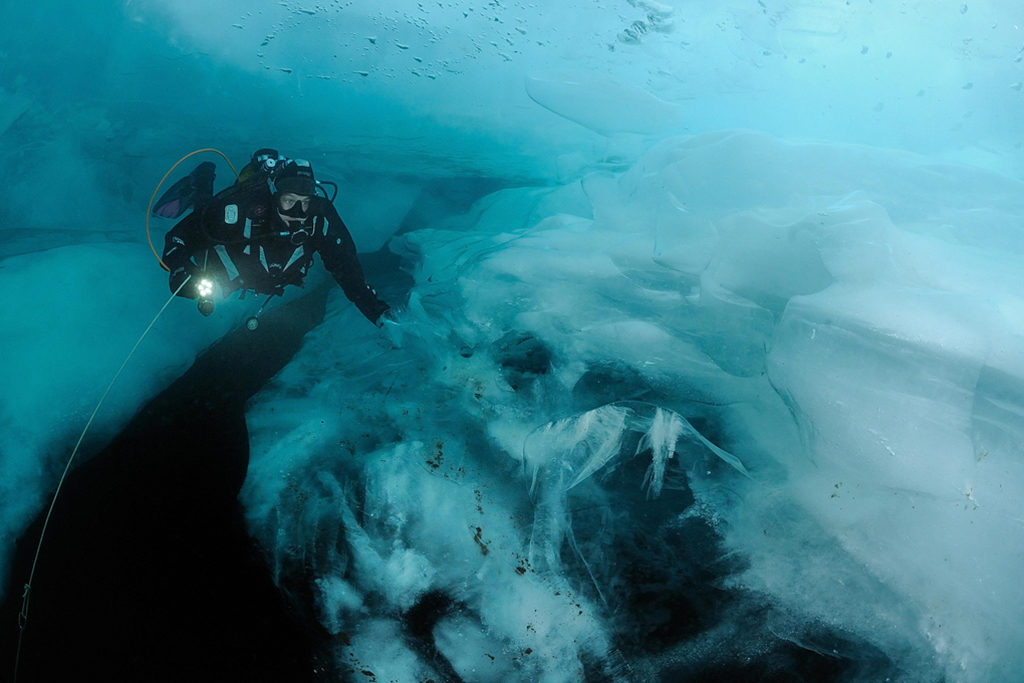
column 193, row 191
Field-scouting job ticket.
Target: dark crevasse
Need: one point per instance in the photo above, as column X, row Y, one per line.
column 147, row 571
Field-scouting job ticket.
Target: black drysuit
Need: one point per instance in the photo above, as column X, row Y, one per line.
column 238, row 240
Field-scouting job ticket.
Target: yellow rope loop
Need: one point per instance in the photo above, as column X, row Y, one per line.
column 149, row 209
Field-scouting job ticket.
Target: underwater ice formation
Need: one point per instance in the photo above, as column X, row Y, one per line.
column 792, row 228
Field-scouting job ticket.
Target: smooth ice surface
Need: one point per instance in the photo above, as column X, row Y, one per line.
column 716, row 319
column 71, row 316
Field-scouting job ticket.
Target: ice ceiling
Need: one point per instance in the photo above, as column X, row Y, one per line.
column 506, row 89
column 725, row 297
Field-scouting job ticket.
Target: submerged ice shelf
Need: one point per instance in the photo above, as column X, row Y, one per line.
column 862, row 414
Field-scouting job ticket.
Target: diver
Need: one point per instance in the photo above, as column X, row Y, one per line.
column 259, row 234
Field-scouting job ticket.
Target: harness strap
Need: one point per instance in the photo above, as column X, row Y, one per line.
column 229, row 265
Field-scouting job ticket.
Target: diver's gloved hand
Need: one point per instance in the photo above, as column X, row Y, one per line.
column 388, row 317
column 178, row 278
column 389, row 323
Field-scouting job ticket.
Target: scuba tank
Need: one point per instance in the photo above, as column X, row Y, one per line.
column 260, row 168
column 264, row 166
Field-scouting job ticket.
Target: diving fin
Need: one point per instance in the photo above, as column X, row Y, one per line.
column 194, row 190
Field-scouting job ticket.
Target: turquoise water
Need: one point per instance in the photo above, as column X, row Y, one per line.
column 707, row 360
